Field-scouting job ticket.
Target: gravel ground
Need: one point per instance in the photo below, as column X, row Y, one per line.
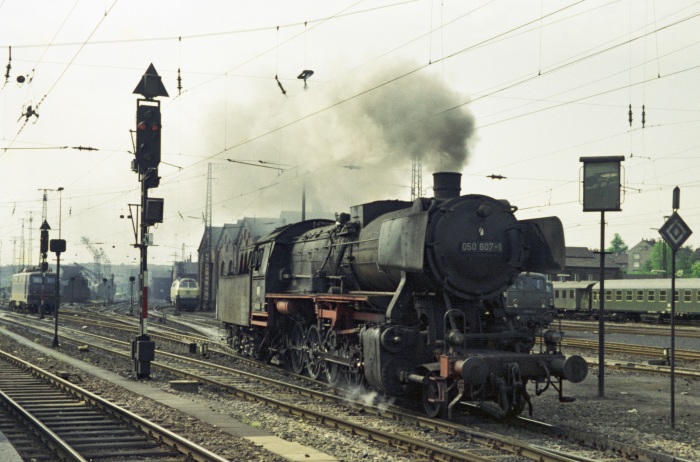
column 635, row 410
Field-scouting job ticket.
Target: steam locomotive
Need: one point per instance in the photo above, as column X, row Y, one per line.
column 405, row 298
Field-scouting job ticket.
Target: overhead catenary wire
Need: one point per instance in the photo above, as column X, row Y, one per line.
column 206, row 157
column 68, row 65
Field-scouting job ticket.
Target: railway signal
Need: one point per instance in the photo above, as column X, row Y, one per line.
column 147, row 153
column 675, row 232
column 147, row 136
column 57, row 246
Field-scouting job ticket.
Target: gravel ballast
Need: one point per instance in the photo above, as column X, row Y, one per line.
column 635, row 410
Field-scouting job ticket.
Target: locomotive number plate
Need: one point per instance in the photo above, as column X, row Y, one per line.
column 481, row 246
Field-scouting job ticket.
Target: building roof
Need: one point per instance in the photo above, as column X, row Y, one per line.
column 581, row 257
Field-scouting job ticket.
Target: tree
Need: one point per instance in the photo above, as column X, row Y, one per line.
column 617, row 245
column 685, row 260
column 695, row 270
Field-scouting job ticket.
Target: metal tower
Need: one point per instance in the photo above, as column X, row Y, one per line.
column 205, row 294
column 22, row 249
column 416, row 178
column 30, row 263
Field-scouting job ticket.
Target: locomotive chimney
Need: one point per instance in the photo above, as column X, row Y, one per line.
column 446, row 185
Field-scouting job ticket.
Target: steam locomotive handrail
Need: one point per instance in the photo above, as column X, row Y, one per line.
column 350, row 296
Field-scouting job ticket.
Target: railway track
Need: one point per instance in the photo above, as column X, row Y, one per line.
column 74, row 424
column 635, row 350
column 409, row 432
column 174, row 335
column 633, row 329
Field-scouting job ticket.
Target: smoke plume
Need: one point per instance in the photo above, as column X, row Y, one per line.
column 358, row 146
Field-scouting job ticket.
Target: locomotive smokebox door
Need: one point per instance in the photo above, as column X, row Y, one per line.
column 474, row 246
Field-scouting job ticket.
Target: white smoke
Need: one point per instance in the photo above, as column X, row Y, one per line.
column 368, row 398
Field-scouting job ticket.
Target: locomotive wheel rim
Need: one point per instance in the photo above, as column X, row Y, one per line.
column 516, row 408
column 334, row 374
column 430, row 391
column 355, row 376
column 314, row 367
column 296, row 349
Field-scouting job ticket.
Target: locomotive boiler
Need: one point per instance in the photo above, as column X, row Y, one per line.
column 406, row 298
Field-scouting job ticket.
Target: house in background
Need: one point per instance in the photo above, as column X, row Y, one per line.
column 228, row 254
column 583, row 264
column 639, row 255
column 230, row 249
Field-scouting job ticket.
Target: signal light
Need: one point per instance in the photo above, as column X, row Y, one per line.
column 147, row 136
column 44, row 241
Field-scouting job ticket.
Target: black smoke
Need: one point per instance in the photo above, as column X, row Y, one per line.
column 350, row 141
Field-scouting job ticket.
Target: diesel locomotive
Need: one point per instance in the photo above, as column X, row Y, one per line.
column 184, row 294
column 530, row 300
column 405, row 298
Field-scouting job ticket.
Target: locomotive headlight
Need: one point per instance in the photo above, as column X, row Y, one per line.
column 552, row 336
column 455, row 337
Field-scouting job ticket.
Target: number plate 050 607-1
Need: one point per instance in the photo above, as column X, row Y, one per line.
column 481, row 246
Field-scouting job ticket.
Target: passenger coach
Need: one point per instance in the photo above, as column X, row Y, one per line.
column 630, row 299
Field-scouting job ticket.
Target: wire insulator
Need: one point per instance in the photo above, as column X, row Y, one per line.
column 644, row 116
column 284, row 92
column 9, row 66
column 630, row 115
column 179, row 82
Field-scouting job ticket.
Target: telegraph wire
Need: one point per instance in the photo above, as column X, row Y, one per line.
column 68, row 65
column 577, row 100
column 562, row 66
column 231, row 32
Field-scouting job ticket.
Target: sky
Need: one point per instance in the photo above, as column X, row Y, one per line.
column 517, row 89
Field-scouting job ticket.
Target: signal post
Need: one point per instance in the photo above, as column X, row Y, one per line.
column 145, row 164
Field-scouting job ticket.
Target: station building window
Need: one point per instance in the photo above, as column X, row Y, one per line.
column 640, row 295
column 651, row 295
column 675, row 295
column 618, row 295
column 687, row 296
column 662, row 295
column 628, row 295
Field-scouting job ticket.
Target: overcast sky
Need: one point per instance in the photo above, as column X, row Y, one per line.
column 520, row 89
